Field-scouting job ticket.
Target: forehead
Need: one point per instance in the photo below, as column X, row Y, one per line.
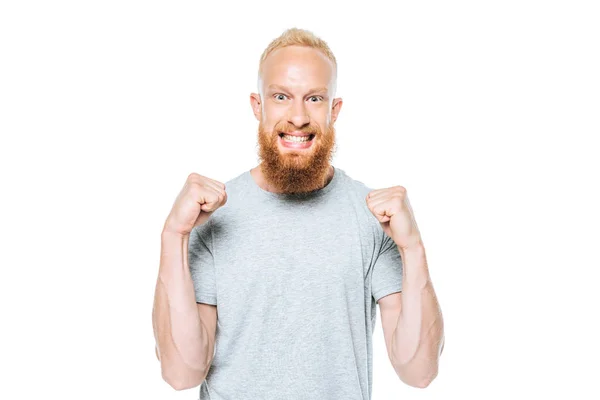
column 297, row 67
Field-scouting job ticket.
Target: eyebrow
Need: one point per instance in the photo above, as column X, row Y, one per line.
column 279, row 87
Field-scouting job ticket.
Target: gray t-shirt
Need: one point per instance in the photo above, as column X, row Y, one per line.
column 295, row 279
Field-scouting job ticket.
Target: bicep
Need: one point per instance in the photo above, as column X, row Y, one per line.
column 390, row 307
column 208, row 318
column 386, row 275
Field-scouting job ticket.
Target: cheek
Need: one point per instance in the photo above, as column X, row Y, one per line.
column 270, row 123
column 274, row 112
column 320, row 117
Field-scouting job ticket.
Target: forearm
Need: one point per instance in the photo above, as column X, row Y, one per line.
column 184, row 346
column 418, row 337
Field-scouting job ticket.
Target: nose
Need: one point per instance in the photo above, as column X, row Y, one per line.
column 298, row 115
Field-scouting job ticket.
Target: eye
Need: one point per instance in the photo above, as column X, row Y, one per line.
column 315, row 97
column 277, row 96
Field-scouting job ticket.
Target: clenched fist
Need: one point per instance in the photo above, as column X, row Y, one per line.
column 198, row 199
column 393, row 211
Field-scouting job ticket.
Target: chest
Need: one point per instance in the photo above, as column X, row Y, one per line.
column 294, row 256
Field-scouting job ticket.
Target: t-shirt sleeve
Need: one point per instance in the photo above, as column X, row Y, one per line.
column 387, row 270
column 201, row 263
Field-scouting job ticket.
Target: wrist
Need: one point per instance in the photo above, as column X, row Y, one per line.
column 414, row 266
column 171, row 235
column 416, row 251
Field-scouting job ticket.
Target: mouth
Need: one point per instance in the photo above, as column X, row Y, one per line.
column 296, row 138
column 296, row 141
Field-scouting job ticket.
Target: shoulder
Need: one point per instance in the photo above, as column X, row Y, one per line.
column 355, row 187
column 237, row 190
column 358, row 190
column 237, row 183
column 371, row 231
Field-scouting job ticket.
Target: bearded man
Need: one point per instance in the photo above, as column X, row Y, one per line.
column 268, row 283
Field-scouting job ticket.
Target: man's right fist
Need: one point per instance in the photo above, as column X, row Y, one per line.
column 197, row 200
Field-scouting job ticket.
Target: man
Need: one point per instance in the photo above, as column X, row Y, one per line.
column 268, row 284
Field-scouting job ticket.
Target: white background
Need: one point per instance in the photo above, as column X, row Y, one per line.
column 485, row 111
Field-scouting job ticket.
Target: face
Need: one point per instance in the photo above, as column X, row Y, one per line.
column 297, row 90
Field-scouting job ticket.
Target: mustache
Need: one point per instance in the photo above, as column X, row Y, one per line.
column 311, row 129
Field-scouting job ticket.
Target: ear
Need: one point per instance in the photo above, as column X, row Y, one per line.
column 256, row 105
column 335, row 108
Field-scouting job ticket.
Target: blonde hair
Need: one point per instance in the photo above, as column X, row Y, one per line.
column 298, row 37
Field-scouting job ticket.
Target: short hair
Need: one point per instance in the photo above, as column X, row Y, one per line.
column 298, row 37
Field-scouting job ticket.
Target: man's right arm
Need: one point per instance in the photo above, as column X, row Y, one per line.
column 184, row 330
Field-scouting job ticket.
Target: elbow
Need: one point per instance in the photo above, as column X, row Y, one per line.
column 423, row 382
column 183, row 380
column 179, row 386
column 179, row 375
column 417, row 378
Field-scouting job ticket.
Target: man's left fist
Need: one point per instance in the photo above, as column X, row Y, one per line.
column 392, row 209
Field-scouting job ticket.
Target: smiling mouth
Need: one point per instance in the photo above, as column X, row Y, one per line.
column 296, row 139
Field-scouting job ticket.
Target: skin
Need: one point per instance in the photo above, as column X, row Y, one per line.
column 288, row 103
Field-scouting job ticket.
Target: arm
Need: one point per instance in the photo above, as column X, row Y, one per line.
column 418, row 338
column 412, row 320
column 185, row 343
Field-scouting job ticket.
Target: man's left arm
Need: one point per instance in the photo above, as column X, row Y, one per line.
column 418, row 338
column 413, row 316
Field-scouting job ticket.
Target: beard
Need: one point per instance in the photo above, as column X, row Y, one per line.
column 296, row 171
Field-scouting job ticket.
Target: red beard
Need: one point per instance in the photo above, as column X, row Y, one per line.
column 294, row 171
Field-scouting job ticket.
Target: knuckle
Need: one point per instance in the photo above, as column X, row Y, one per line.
column 193, row 176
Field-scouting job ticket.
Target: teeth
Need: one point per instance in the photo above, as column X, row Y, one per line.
column 296, row 138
